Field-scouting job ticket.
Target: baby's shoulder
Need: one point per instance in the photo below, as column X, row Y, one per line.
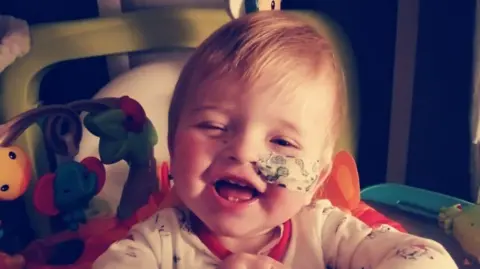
column 317, row 212
column 322, row 207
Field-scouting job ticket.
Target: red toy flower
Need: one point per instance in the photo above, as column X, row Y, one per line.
column 135, row 116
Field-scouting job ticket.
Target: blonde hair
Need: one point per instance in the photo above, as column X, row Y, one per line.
column 271, row 44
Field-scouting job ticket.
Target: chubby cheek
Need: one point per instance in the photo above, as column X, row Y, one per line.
column 190, row 159
column 282, row 202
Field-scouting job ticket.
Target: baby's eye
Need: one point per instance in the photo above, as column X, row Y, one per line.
column 282, row 142
column 212, row 127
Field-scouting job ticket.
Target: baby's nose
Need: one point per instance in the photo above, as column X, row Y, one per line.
column 244, row 148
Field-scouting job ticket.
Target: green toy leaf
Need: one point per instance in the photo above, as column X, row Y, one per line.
column 140, row 148
column 90, row 123
column 112, row 151
column 141, row 144
column 151, row 133
column 108, row 124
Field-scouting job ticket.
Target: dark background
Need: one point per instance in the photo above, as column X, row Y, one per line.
column 439, row 145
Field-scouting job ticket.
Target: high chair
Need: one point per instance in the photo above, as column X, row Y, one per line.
column 139, row 31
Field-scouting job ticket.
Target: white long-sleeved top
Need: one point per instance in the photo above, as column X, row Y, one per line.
column 320, row 236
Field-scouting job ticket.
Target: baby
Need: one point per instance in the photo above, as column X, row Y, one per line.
column 253, row 123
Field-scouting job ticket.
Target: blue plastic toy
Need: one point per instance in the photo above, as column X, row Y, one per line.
column 68, row 191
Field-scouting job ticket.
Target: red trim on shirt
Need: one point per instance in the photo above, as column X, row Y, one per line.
column 216, row 247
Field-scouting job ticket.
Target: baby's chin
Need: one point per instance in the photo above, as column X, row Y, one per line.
column 231, row 230
column 236, row 226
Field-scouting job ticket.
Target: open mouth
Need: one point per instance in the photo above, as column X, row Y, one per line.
column 236, row 191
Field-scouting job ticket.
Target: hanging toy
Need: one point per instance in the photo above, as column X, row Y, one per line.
column 14, row 162
column 16, row 172
column 68, row 191
column 127, row 134
column 238, row 8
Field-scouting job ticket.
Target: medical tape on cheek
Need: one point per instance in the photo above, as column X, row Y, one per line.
column 292, row 173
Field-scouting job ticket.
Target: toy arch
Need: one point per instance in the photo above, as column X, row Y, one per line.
column 136, row 31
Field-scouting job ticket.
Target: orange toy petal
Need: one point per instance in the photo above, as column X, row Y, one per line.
column 342, row 187
column 165, row 179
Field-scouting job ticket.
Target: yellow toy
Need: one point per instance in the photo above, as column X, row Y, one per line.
column 237, row 8
column 464, row 225
column 16, row 171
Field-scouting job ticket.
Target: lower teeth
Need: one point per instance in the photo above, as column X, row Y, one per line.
column 233, row 199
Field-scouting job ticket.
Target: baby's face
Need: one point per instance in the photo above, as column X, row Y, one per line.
column 223, row 133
